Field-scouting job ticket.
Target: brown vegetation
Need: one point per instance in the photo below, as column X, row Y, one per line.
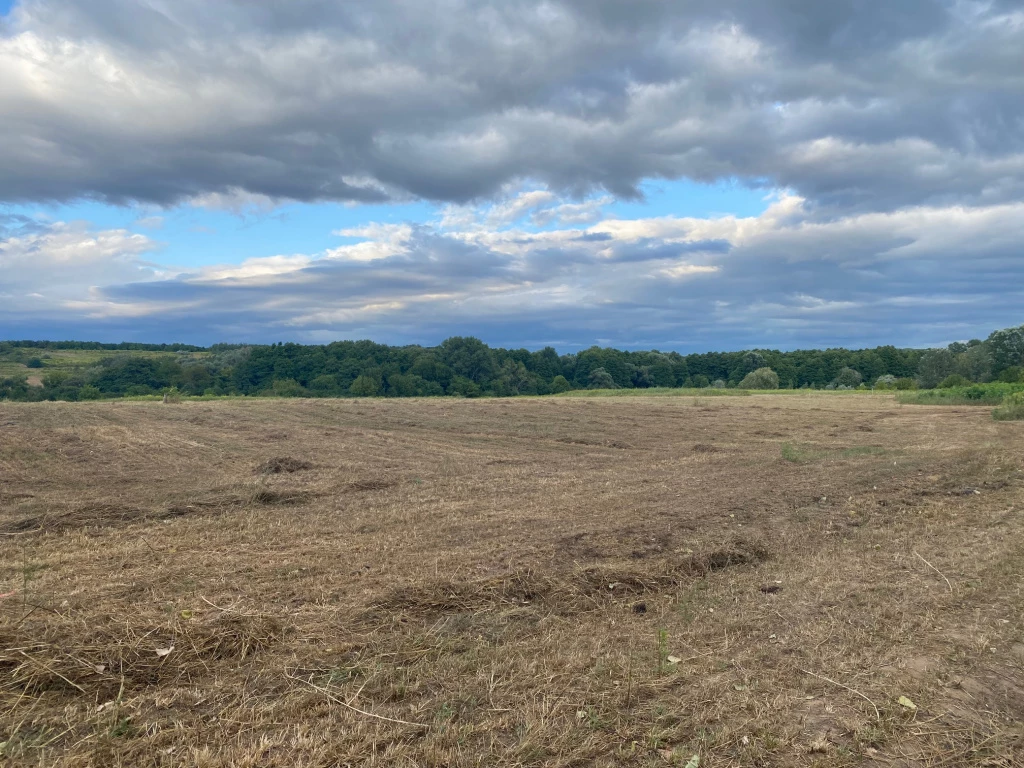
column 566, row 582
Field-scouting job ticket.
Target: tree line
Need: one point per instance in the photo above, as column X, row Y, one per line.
column 466, row 367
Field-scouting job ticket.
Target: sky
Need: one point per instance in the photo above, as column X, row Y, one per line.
column 674, row 174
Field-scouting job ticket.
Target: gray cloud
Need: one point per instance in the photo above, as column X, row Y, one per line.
column 786, row 278
column 856, row 106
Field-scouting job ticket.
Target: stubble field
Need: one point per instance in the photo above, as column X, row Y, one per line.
column 790, row 580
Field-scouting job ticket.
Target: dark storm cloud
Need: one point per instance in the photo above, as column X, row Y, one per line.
column 855, row 105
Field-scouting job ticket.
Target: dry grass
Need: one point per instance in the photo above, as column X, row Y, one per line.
column 564, row 581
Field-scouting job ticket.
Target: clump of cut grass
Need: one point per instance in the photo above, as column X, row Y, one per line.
column 580, row 591
column 1012, row 408
column 129, row 654
column 279, row 464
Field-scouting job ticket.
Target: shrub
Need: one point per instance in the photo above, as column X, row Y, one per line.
column 560, row 384
column 287, row 388
column 34, row 362
column 888, row 381
column 325, row 385
column 700, row 381
column 600, row 379
column 955, row 380
column 905, row 383
column 365, row 386
column 89, row 392
column 462, row 387
column 718, row 384
column 1012, row 375
column 171, row 395
column 1012, row 408
column 762, row 378
column 847, row 378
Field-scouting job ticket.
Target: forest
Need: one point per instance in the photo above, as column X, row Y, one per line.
column 467, row 367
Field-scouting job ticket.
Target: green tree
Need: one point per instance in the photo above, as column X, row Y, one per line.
column 600, row 379
column 847, row 377
column 468, row 357
column 560, row 384
column 762, row 378
column 975, row 363
column 1007, row 347
column 366, row 385
column 954, row 380
column 935, row 365
column 287, row 388
column 463, row 387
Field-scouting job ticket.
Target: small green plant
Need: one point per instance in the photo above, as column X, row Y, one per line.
column 807, row 453
column 172, row 395
column 1012, row 408
column 662, row 650
column 122, row 728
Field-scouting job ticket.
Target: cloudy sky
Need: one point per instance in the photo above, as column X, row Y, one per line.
column 678, row 174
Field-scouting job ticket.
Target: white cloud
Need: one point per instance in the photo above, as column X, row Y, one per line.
column 786, row 278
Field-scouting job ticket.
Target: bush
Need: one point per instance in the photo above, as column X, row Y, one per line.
column 560, row 384
column 462, row 387
column 847, row 378
column 365, row 386
column 762, row 378
column 89, row 392
column 1012, row 408
column 600, row 379
column 34, row 362
column 287, row 388
column 171, row 395
column 700, row 381
column 955, row 380
column 888, row 381
column 1012, row 375
column 905, row 384
column 718, row 384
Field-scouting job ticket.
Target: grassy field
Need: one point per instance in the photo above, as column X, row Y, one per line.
column 977, row 394
column 771, row 580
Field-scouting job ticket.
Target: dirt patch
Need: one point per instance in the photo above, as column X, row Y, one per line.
column 706, row 448
column 632, row 542
column 279, row 464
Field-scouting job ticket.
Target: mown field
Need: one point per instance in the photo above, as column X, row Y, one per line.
column 768, row 580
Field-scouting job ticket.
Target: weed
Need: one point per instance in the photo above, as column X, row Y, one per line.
column 1012, row 408
column 803, row 454
column 662, row 651
column 977, row 394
